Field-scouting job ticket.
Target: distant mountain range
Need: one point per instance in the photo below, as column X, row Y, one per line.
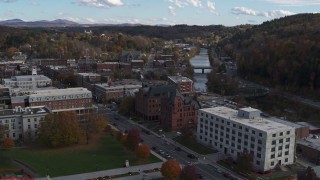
column 41, row 23
column 58, row 23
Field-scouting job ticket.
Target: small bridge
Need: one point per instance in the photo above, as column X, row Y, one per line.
column 202, row 68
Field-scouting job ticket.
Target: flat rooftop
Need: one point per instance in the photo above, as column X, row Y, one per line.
column 178, row 79
column 54, row 92
column 29, row 78
column 25, row 111
column 260, row 123
column 312, row 141
column 89, row 74
column 118, row 86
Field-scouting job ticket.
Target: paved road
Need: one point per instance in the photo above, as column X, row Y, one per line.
column 167, row 147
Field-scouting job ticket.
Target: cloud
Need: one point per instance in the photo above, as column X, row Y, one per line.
column 8, row 1
column 268, row 14
column 211, row 5
column 295, row 2
column 100, row 3
column 195, row 3
column 172, row 11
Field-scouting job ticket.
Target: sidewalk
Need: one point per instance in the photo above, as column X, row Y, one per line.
column 112, row 172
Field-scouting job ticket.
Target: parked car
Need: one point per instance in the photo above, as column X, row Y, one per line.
column 191, row 156
column 177, row 149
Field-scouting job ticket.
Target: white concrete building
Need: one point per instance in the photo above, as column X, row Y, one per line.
column 27, row 82
column 23, row 123
column 233, row 132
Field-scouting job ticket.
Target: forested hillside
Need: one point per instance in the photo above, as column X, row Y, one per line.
column 283, row 52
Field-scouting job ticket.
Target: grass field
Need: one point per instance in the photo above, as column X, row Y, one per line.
column 192, row 144
column 107, row 153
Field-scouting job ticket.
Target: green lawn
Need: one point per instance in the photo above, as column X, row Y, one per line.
column 192, row 144
column 108, row 154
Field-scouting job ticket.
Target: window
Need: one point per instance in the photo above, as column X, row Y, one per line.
column 286, row 153
column 288, row 139
column 239, row 134
column 35, row 125
column 240, row 127
column 281, row 134
column 234, row 125
column 239, row 147
column 259, row 148
column 272, row 163
column 273, row 135
column 222, row 121
column 228, row 123
column 259, row 155
column 259, row 141
column 239, row 140
column 287, row 146
column 233, row 132
column 253, row 132
column 260, row 134
column 245, row 143
column 272, row 156
column 258, row 162
column 247, row 130
column 252, row 139
column 233, row 138
column 273, row 149
column 280, row 148
column 246, row 136
column 286, row 160
column 28, row 120
column 252, row 146
column 273, row 142
column 227, row 129
column 281, row 141
column 288, row 132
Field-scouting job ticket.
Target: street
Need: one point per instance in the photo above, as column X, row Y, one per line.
column 167, row 148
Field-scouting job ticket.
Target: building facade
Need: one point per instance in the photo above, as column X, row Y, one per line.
column 108, row 91
column 233, row 132
column 148, row 101
column 27, row 82
column 184, row 84
column 178, row 111
column 77, row 99
column 23, row 123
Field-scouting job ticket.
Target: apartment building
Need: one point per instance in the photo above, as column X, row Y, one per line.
column 23, row 123
column 235, row 131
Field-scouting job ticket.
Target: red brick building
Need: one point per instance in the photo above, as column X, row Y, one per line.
column 184, row 84
column 77, row 99
column 179, row 111
column 148, row 101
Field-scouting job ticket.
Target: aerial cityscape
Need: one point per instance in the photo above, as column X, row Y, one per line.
column 161, row 89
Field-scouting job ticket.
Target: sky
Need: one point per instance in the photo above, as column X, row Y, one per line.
column 154, row 12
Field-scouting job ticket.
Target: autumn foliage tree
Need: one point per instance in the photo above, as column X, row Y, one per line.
column 8, row 143
column 143, row 152
column 60, row 129
column 171, row 169
column 133, row 138
column 188, row 173
column 3, row 130
column 94, row 124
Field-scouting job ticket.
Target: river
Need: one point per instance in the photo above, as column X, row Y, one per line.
column 200, row 80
